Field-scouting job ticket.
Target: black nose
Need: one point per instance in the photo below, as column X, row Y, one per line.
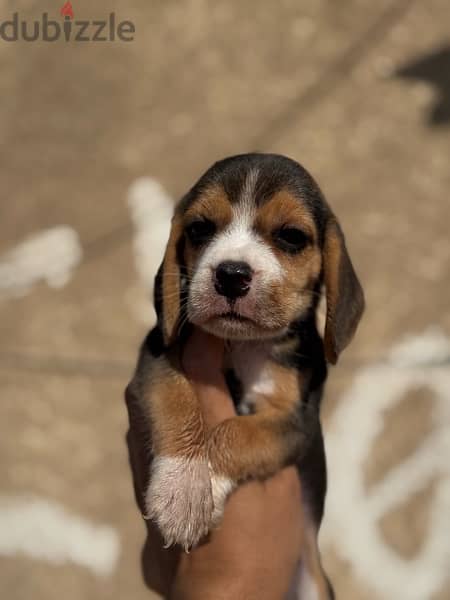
column 233, row 279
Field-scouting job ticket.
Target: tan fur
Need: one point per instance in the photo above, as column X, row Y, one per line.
column 171, row 282
column 284, row 209
column 293, row 295
column 174, row 412
column 214, row 205
column 182, row 511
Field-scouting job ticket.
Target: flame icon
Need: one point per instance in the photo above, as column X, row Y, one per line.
column 67, row 10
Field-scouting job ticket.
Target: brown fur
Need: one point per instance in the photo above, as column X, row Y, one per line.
column 171, row 283
column 301, row 270
column 214, row 205
column 345, row 300
column 174, row 413
column 281, row 209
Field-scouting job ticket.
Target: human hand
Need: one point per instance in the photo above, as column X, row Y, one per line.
column 254, row 552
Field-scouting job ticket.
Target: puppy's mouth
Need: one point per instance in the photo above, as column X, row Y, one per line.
column 231, row 324
column 233, row 316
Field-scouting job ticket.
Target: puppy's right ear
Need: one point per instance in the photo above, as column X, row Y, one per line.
column 167, row 289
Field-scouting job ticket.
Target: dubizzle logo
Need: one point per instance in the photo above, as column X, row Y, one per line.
column 70, row 30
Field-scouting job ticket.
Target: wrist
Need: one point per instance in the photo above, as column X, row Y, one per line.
column 191, row 586
column 218, row 580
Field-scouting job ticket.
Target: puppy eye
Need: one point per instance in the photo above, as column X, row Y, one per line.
column 291, row 239
column 200, row 231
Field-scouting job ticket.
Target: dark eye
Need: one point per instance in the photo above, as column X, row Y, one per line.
column 291, row 239
column 200, row 231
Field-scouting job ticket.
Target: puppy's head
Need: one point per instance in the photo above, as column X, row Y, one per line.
column 250, row 246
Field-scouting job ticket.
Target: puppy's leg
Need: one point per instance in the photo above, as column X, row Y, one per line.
column 256, row 446
column 179, row 494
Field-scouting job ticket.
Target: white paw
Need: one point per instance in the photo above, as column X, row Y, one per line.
column 179, row 499
column 221, row 489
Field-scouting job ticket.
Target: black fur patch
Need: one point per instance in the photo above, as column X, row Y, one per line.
column 275, row 173
column 234, row 387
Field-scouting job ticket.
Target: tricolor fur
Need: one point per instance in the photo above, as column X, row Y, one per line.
column 252, row 245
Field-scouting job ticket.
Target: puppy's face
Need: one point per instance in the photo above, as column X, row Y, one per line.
column 252, row 264
column 249, row 247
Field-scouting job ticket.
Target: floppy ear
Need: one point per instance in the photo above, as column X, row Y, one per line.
column 345, row 297
column 167, row 289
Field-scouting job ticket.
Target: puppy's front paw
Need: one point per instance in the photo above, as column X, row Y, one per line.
column 179, row 499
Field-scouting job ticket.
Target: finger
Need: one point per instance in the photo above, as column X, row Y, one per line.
column 203, row 362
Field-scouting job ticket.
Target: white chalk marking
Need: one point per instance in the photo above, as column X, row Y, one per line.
column 44, row 530
column 308, row 589
column 352, row 514
column 151, row 210
column 50, row 255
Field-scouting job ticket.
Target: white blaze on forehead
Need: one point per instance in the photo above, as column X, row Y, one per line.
column 239, row 241
column 248, row 190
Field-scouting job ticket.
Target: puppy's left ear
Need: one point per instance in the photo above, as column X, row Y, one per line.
column 344, row 294
column 167, row 289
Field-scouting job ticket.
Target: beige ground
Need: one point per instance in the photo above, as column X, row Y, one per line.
column 79, row 123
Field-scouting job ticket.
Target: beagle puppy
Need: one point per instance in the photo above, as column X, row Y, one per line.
column 252, row 245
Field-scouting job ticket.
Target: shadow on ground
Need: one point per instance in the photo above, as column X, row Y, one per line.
column 433, row 68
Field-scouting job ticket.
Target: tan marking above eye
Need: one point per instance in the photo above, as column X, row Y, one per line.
column 283, row 209
column 212, row 204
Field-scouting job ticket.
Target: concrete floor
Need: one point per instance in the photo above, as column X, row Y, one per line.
column 357, row 91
